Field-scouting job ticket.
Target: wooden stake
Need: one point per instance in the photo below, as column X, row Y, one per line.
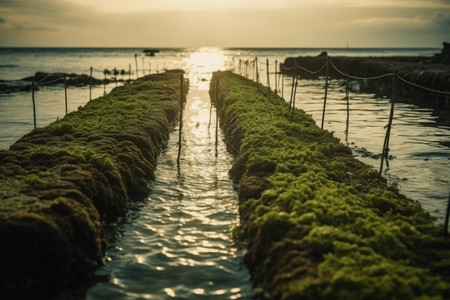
column 295, row 93
column 257, row 73
column 65, row 91
column 347, row 123
column 276, row 74
column 90, row 85
column 217, row 115
column 292, row 92
column 326, row 93
column 137, row 69
column 181, row 119
column 34, row 104
column 143, row 65
column 447, row 215
column 385, row 153
column 268, row 75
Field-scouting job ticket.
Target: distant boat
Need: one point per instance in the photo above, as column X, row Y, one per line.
column 150, row 52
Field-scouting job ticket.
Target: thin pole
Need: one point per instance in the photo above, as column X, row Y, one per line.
column 65, row 91
column 295, row 93
column 90, row 86
column 129, row 72
column 104, row 83
column 347, row 123
column 34, row 104
column 217, row 116
column 257, row 73
column 446, row 217
column 181, row 119
column 143, row 65
column 292, row 91
column 211, row 105
column 326, row 93
column 137, row 69
column 246, row 69
column 268, row 76
column 389, row 126
column 276, row 74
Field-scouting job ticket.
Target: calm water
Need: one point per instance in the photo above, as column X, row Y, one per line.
column 177, row 242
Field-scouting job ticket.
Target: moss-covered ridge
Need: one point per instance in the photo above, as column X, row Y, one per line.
column 61, row 184
column 318, row 223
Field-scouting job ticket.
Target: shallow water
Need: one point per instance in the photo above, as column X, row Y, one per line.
column 177, row 243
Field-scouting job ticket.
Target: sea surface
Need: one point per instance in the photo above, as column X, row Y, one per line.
column 177, row 242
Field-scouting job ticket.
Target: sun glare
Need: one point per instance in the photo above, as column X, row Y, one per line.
column 202, row 62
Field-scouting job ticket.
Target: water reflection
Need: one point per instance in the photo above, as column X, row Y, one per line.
column 202, row 62
column 180, row 244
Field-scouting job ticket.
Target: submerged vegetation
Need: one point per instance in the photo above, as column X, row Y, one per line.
column 318, row 223
column 63, row 183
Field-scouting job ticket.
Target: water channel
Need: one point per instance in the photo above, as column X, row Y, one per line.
column 177, row 243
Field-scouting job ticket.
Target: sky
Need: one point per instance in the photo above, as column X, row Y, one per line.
column 224, row 23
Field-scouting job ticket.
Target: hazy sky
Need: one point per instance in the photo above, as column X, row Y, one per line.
column 225, row 23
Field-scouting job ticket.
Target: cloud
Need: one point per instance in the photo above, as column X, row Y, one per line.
column 437, row 21
column 291, row 23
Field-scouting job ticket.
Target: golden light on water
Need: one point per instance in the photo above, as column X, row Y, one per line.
column 202, row 63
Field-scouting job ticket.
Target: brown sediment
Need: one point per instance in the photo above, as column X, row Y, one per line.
column 318, row 223
column 60, row 185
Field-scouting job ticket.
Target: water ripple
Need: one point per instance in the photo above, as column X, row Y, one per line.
column 179, row 244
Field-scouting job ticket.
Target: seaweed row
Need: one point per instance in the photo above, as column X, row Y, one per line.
column 62, row 185
column 318, row 223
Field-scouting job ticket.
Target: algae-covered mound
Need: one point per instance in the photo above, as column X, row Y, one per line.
column 318, row 223
column 61, row 184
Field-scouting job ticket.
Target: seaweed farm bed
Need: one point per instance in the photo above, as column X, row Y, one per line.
column 63, row 184
column 318, row 223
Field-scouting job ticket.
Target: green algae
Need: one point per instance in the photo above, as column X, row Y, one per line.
column 300, row 187
column 63, row 183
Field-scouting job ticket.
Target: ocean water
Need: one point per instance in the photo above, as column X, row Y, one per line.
column 177, row 242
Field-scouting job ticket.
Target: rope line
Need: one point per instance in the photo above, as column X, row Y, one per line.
column 48, row 82
column 49, row 75
column 361, row 78
column 423, row 87
column 295, row 66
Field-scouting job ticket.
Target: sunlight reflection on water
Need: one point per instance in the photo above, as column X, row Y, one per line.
column 180, row 245
column 202, row 63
